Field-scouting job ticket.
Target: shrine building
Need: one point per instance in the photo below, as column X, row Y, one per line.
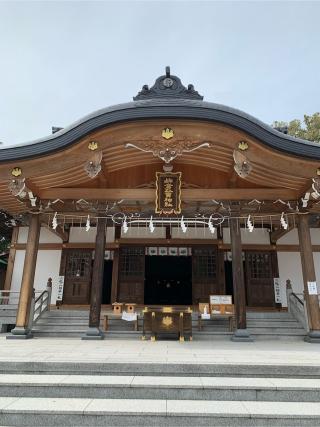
column 163, row 201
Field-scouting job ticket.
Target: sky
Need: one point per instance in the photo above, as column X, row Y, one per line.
column 61, row 60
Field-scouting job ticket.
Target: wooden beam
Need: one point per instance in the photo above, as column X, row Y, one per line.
column 11, row 258
column 239, row 292
column 59, row 231
column 195, row 194
column 94, row 331
column 22, row 323
column 309, row 276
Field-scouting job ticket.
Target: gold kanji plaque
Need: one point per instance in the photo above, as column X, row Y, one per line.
column 168, row 192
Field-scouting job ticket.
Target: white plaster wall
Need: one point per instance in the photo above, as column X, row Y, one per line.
column 48, row 265
column 259, row 236
column 80, row 235
column 193, row 233
column 290, row 268
column 143, row 232
column 292, row 237
column 46, row 236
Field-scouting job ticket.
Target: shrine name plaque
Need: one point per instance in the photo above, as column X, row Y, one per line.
column 168, row 192
column 159, row 322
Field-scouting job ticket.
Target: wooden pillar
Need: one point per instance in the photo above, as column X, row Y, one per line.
column 309, row 275
column 115, row 276
column 239, row 295
column 11, row 258
column 94, row 331
column 22, row 322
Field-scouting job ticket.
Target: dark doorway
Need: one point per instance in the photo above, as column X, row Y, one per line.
column 168, row 280
column 228, row 277
column 107, row 280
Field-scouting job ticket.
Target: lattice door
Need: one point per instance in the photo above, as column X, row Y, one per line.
column 131, row 275
column 77, row 276
column 204, row 273
column 259, row 279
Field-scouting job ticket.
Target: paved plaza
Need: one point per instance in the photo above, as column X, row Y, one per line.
column 272, row 352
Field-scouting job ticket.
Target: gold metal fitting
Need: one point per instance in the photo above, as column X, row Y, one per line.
column 93, row 145
column 16, row 171
column 243, row 146
column 167, row 133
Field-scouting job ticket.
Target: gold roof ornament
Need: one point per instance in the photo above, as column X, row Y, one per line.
column 16, row 171
column 167, row 133
column 243, row 146
column 93, row 145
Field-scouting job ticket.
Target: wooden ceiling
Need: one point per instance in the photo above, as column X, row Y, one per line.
column 128, row 168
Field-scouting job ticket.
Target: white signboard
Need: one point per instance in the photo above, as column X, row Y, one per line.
column 60, row 288
column 220, row 299
column 312, row 288
column 277, row 294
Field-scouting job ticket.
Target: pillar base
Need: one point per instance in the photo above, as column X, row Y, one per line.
column 242, row 335
column 20, row 333
column 93, row 333
column 313, row 337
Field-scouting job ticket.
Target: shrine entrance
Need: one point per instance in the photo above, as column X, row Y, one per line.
column 168, row 280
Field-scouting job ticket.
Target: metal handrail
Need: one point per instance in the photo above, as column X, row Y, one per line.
column 40, row 306
column 297, row 298
column 5, row 296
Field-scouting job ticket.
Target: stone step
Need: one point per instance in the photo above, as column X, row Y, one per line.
column 148, row 412
column 161, row 387
column 195, row 369
column 268, row 315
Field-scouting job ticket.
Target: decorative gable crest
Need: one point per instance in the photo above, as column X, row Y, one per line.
column 168, row 86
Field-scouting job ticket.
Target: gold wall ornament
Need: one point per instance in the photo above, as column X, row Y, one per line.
column 243, row 146
column 167, row 133
column 16, row 171
column 167, row 321
column 168, row 193
column 168, row 151
column 93, row 145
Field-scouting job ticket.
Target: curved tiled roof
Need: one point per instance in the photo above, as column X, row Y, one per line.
column 183, row 106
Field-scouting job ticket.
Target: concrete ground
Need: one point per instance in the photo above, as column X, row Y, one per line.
column 271, row 352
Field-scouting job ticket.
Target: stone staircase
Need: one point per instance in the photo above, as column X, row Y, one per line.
column 156, row 394
column 262, row 325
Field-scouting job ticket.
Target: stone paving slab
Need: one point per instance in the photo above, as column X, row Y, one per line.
column 199, row 382
column 159, row 407
column 273, row 352
column 47, row 405
column 127, row 407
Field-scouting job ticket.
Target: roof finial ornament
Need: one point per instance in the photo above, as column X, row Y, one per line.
column 168, row 86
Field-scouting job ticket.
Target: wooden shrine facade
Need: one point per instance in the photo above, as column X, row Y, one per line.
column 236, row 175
